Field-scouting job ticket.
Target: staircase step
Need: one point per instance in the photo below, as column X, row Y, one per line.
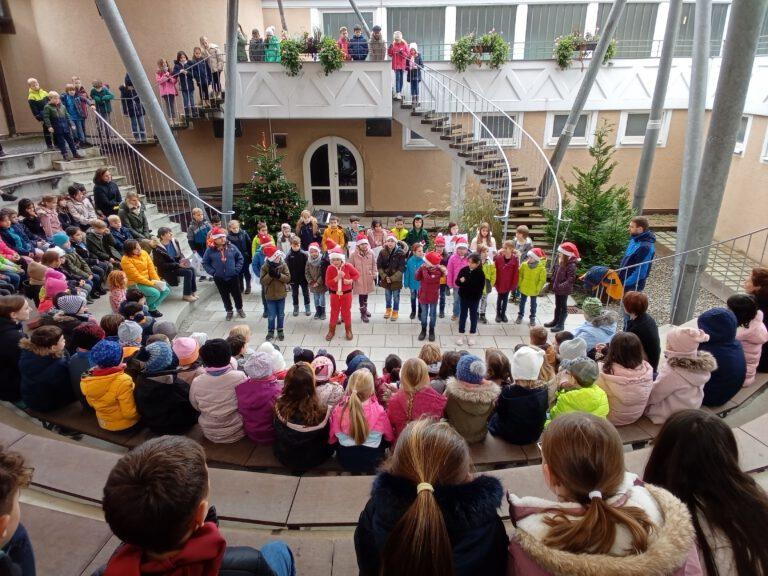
column 523, row 210
column 479, row 153
column 458, row 137
column 446, row 128
column 75, row 165
column 436, row 120
column 485, row 161
column 495, row 170
column 406, row 106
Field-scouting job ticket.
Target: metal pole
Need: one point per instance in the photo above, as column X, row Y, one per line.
column 122, row 40
column 584, row 89
column 359, row 14
column 228, row 165
column 280, row 9
column 732, row 86
column 653, row 127
column 694, row 135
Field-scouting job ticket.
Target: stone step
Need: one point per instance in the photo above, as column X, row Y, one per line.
column 78, row 165
column 25, row 163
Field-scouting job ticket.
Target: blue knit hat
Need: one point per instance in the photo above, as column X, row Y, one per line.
column 160, row 356
column 354, row 364
column 59, row 239
column 471, row 369
column 106, row 354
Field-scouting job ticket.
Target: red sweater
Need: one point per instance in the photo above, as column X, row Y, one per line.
column 507, row 273
column 332, row 278
column 429, row 289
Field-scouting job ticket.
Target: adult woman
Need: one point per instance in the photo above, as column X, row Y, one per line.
column 696, row 457
column 106, row 194
column 307, row 230
column 79, row 207
column 427, row 514
column 271, row 45
column 171, row 263
column 13, row 311
column 643, row 326
column 133, row 216
column 141, row 273
column 757, row 285
column 484, row 237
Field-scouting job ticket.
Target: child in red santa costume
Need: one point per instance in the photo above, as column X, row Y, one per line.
column 339, row 279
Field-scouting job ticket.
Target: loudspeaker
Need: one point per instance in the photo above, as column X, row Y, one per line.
column 280, row 140
column 218, row 128
column 378, row 127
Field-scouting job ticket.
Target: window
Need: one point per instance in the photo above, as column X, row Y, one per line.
column 742, row 136
column 548, row 21
column 425, row 26
column 582, row 134
column 762, row 41
column 634, row 31
column 684, row 44
column 482, row 19
column 764, row 154
column 415, row 141
column 632, row 128
column 498, row 125
column 332, row 21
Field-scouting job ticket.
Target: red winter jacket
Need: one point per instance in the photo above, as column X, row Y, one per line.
column 398, row 51
column 507, row 272
column 429, row 289
column 426, row 402
column 331, row 278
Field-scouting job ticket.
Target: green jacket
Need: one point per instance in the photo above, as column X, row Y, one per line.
column 591, row 399
column 242, row 42
column 272, row 50
column 52, row 114
column 532, row 280
column 419, row 235
column 75, row 264
column 489, row 269
column 102, row 99
column 135, row 222
column 102, row 247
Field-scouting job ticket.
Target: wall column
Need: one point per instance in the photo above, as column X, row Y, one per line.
column 450, row 31
column 521, row 28
column 590, row 22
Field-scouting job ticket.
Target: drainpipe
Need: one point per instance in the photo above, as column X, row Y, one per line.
column 228, row 166
column 359, row 14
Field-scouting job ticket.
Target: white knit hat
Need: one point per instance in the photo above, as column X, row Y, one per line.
column 413, row 46
column 527, row 363
column 337, row 254
column 278, row 362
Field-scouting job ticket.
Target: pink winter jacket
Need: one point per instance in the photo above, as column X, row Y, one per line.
column 679, row 385
column 627, row 392
column 455, row 264
column 426, row 402
column 215, row 398
column 256, row 404
column 166, row 83
column 374, row 413
column 366, row 266
column 752, row 339
column 7, row 252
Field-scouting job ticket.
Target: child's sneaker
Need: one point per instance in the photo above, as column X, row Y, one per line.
column 519, row 320
column 241, row 313
column 483, row 319
column 280, row 335
column 454, row 317
column 394, row 316
column 387, row 313
column 307, row 311
column 270, row 336
column 230, row 314
column 532, row 321
column 470, row 340
column 317, row 314
column 264, row 314
column 295, row 310
column 460, row 340
column 441, row 315
column 413, row 314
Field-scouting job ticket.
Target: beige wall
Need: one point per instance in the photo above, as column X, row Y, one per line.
column 297, row 19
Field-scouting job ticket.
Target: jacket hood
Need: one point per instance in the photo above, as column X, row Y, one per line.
column 606, row 318
column 755, row 332
column 704, row 362
column 629, row 376
column 720, row 324
column 96, row 383
column 27, row 345
column 646, row 236
column 670, row 542
column 474, row 398
column 465, row 506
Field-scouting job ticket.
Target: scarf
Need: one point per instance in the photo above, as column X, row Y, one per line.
column 277, row 257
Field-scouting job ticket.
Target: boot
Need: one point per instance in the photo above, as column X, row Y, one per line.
column 394, row 316
column 431, row 334
column 498, row 318
column 368, row 314
column 307, row 310
column 322, row 312
column 363, row 314
column 331, row 331
column 413, row 312
column 519, row 320
column 280, row 334
column 504, row 318
column 317, row 313
column 553, row 322
column 483, row 319
column 348, row 332
column 295, row 310
column 270, row 336
column 423, row 333
column 387, row 313
column 532, row 321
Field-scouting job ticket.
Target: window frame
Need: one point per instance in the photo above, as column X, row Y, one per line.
column 514, row 142
column 624, row 141
column 576, row 141
column 764, row 153
column 740, row 149
column 416, row 144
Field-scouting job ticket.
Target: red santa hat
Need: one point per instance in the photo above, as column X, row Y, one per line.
column 536, row 253
column 314, row 246
column 569, row 249
column 461, row 242
column 269, row 250
column 362, row 239
column 439, row 240
column 330, row 244
column 336, row 254
column 218, row 233
column 433, row 258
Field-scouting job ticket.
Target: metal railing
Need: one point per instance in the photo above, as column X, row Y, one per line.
column 181, row 108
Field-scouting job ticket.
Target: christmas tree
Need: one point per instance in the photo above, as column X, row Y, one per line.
column 269, row 197
column 600, row 212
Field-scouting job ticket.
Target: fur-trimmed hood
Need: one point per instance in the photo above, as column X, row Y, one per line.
column 469, row 394
column 670, row 547
column 606, row 318
column 704, row 362
column 27, row 344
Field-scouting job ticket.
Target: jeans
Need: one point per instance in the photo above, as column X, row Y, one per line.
column 229, row 289
column 170, row 105
column 392, row 298
column 203, row 88
column 13, row 278
column 468, row 307
column 189, row 101
column 414, row 90
column 19, row 549
column 79, row 129
column 456, row 302
column 501, row 303
column 319, row 298
column 190, row 282
column 399, row 81
column 154, row 296
column 46, row 135
column 64, row 139
column 304, row 292
column 428, row 311
column 137, row 127
column 415, row 300
column 523, row 300
column 216, row 82
column 279, row 557
column 275, row 314
column 443, row 291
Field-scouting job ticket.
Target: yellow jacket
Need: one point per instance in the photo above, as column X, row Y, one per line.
column 400, row 233
column 335, row 234
column 110, row 392
column 139, row 269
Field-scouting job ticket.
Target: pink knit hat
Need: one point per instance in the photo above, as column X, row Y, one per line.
column 684, row 342
column 323, row 368
column 186, row 350
column 54, row 285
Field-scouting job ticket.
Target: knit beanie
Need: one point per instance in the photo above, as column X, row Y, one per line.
column 527, row 363
column 165, row 327
column 323, row 368
column 160, row 356
column 355, row 362
column 216, row 353
column 54, row 285
column 592, row 308
column 187, row 350
column 572, row 349
column 433, row 258
column 471, row 369
column 302, row 355
column 269, row 250
column 278, row 362
column 584, row 370
column 59, row 239
column 199, row 337
column 259, row 366
column 70, row 303
column 323, row 352
column 129, row 333
column 106, row 354
column 87, row 335
column 684, row 342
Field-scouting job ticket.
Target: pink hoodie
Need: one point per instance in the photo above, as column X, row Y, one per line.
column 679, row 385
column 455, row 264
column 752, row 339
column 374, row 413
column 627, row 391
column 426, row 402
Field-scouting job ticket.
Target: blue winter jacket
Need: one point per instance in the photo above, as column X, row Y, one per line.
column 727, row 380
column 358, row 47
column 258, row 262
column 520, row 414
column 186, row 81
column 241, row 241
column 201, row 71
column 409, row 276
column 44, row 381
column 72, row 104
column 120, row 236
column 224, row 268
column 641, row 249
column 599, row 331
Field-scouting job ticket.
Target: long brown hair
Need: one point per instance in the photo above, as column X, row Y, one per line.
column 626, row 350
column 419, row 544
column 298, row 399
column 359, row 388
column 312, row 221
column 695, row 456
column 584, row 453
column 414, row 376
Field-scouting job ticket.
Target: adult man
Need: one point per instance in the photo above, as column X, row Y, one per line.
column 639, row 254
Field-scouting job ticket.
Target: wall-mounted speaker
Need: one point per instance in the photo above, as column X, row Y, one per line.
column 280, row 140
column 218, row 128
column 378, row 127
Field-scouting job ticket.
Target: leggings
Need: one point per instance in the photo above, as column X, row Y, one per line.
column 154, row 296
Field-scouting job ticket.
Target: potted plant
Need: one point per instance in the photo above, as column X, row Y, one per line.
column 463, row 53
column 575, row 45
column 492, row 43
column 290, row 56
column 312, row 43
column 331, row 56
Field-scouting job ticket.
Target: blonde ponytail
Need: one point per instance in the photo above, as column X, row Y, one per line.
column 360, row 389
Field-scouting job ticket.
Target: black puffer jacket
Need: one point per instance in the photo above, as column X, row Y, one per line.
column 520, row 414
column 645, row 328
column 301, row 447
column 162, row 400
column 167, row 266
column 297, row 265
column 470, row 512
column 10, row 336
column 107, row 197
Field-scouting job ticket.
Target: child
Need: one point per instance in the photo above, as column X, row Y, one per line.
column 471, row 399
column 721, row 325
column 329, row 393
column 499, row 368
column 166, row 83
column 76, row 104
column 16, row 555
column 74, row 267
column 119, row 233
column 333, row 232
column 507, row 275
column 108, row 389
column 284, row 238
column 84, row 338
column 523, row 243
column 256, row 398
column 399, row 230
column 44, row 370
column 626, row 378
column 414, row 262
column 183, row 72
column 197, row 233
column 49, row 218
column 237, row 346
column 315, row 275
column 37, row 98
column 471, row 282
column 453, row 237
column 390, row 373
column 521, row 409
column 682, row 375
column 202, row 74
column 262, row 237
column 187, row 350
column 533, row 276
column 110, row 323
column 130, row 335
column 751, row 332
column 243, row 333
column 430, row 276
column 458, row 260
column 307, row 230
column 362, row 258
column 563, row 278
column 360, row 426
column 213, row 394
column 416, row 399
column 391, row 264
column 56, row 120
column 489, row 269
column 224, row 263
column 444, row 256
column 604, row 520
column 340, row 278
column 156, row 501
column 240, row 239
column 417, row 234
column 275, row 278
column 101, row 244
column 537, row 336
column 351, row 233
column 599, row 325
column 579, row 393
column 413, row 66
column 343, row 43
column 102, row 99
column 296, row 260
column 484, row 237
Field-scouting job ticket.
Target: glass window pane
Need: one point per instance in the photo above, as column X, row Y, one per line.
column 634, row 31
column 742, row 130
column 548, row 21
column 321, row 196
column 332, row 21
column 636, row 124
column 684, row 44
column 416, row 136
column 347, row 166
column 762, row 41
column 348, row 196
column 482, row 19
column 499, row 126
column 559, row 124
column 425, row 26
column 318, row 167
